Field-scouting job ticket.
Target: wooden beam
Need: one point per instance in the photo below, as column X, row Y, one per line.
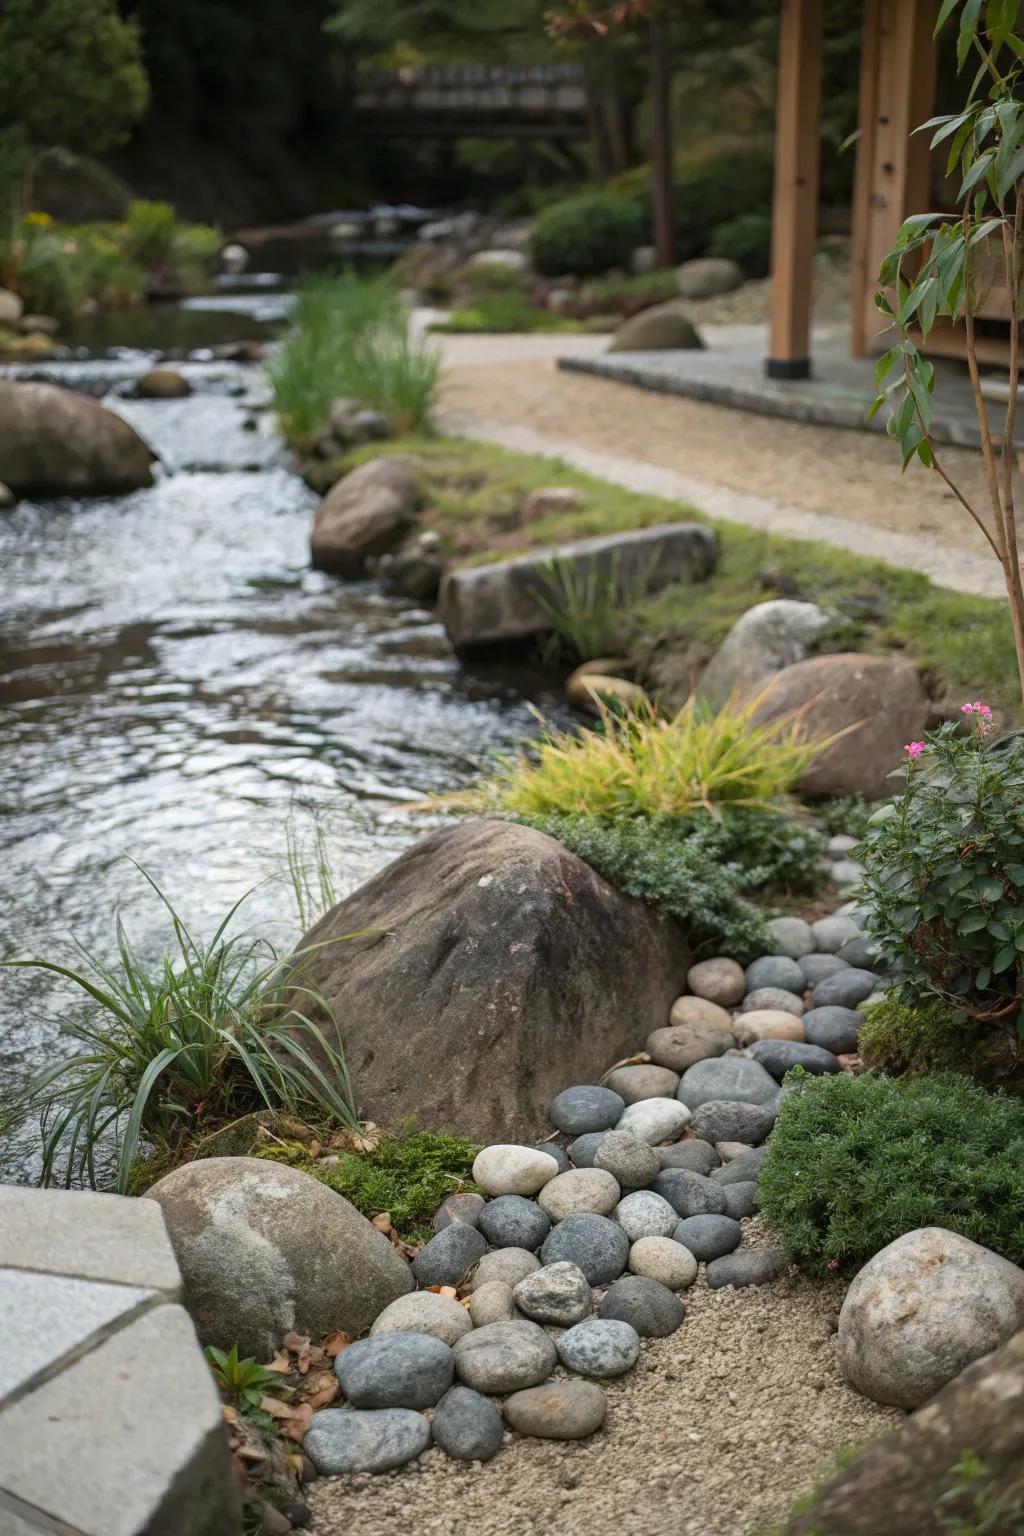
column 795, row 205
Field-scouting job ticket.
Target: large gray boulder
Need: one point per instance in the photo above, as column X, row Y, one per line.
column 902, row 1484
column 264, row 1249
column 921, row 1310
column 763, row 640
column 708, row 276
column 504, row 603
column 56, row 442
column 365, row 515
column 662, row 328
column 494, row 958
column 877, row 700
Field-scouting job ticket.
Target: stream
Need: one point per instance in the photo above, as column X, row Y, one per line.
column 176, row 683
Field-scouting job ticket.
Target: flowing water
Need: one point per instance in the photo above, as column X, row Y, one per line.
column 175, row 681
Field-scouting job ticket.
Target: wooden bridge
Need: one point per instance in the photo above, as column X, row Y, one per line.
column 480, row 102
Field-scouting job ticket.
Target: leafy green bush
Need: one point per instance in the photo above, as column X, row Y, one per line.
column 747, row 239
column 930, row 1036
column 148, row 233
column 701, row 870
column 586, row 235
column 945, row 874
column 501, row 313
column 709, row 192
column 854, row 1162
column 484, row 278
column 847, row 815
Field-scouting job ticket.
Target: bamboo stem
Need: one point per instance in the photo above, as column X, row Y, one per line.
column 991, row 468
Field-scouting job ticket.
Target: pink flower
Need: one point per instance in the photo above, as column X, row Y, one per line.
column 983, row 712
column 833, row 1263
column 914, row 749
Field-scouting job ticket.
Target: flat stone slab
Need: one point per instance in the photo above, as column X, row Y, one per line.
column 54, row 1316
column 91, row 1236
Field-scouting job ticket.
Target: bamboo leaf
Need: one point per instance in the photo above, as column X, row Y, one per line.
column 978, row 171
column 968, row 31
column 946, row 10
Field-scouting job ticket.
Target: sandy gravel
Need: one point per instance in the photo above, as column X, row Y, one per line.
column 714, row 1433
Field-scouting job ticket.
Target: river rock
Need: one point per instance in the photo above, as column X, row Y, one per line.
column 7, row 498
column 395, row 1370
column 424, row 1312
column 467, row 1426
column 775, row 971
column 599, row 1347
column 775, row 999
column 708, row 1237
column 767, row 1024
column 514, row 1222
column 11, row 308
column 750, row 1266
column 705, row 277
column 550, row 501
column 655, row 1120
column 538, row 942
column 699, row 1156
column 502, row 1169
column 365, row 514
column 729, row 1077
column 558, row 1293
column 733, row 1120
column 689, row 1194
column 643, row 1082
column 663, row 1259
column 862, row 954
column 557, row 1151
column 584, row 1149
column 833, row 1029
column 461, row 1207
column 678, row 1046
column 921, row 1310
column 831, row 933
column 509, row 1265
column 598, row 1246
column 584, row 1189
column 492, row 1302
column 496, row 604
column 163, row 384
column 591, row 692
column 659, row 328
column 504, row 1357
column 780, row 1056
column 264, row 1249
column 645, row 1214
column 562, row 1410
column 631, row 1163
column 449, row 1255
column 57, row 442
column 845, row 989
column 649, row 1307
column 698, row 1010
column 575, row 1111
column 728, row 1151
column 340, row 1440
column 816, row 967
column 740, row 1198
column 719, row 980
column 747, row 1166
column 842, row 693
column 764, row 640
column 790, row 936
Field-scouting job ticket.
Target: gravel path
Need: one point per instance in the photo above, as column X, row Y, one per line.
column 714, row 1433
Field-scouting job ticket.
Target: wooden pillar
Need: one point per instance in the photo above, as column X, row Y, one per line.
column 795, row 205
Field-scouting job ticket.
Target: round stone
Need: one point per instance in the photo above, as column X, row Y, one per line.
column 773, row 998
column 719, row 980
column 649, row 1307
column 448, row 1257
column 747, row 1166
column 467, row 1426
column 767, row 1024
column 424, row 1312
column 733, row 1120
column 506, row 1169
column 863, row 954
column 833, row 1029
column 586, row 1108
column 655, row 1120
column 645, row 1214
column 557, row 1151
column 343, row 1440
column 690, row 1194
column 699, row 1156
column 831, row 933
column 509, row 1265
column 730, row 1077
column 395, row 1370
column 511, row 1221
column 559, row 1293
column 708, row 1237
column 780, row 1056
column 465, row 1208
column 678, row 1046
column 740, row 1198
column 845, row 989
column 790, row 936
column 665, row 1260
column 750, row 1266
column 504, row 1357
column 584, row 1149
column 598, row 1246
column 847, row 872
column 492, row 1302
column 817, row 967
column 643, row 1082
column 840, row 845
column 602, row 1346
column 562, row 1410
column 584, row 1189
column 698, row 1010
column 775, row 971
column 728, row 1151
column 631, row 1163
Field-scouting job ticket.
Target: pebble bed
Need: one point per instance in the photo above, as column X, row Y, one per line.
column 585, row 1247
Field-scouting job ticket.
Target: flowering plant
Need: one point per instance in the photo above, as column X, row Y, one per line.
column 944, row 868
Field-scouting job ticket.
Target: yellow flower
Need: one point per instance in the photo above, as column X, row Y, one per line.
column 39, row 220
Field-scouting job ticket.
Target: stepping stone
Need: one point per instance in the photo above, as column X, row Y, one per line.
column 708, row 1237
column 599, row 1347
column 598, row 1246
column 342, row 1440
column 395, row 1370
column 505, row 1357
column 563, row 1410
column 467, row 1426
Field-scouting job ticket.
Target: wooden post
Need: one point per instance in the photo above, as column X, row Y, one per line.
column 795, row 205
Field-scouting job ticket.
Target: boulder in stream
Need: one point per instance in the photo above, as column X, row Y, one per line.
column 56, row 442
column 364, row 515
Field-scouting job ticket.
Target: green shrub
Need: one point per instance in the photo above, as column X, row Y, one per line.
column 854, row 1162
column 847, row 815
column 703, row 871
column 502, row 313
column 747, row 239
column 148, row 231
column 930, row 1036
column 492, row 277
column 709, row 192
column 587, row 235
column 632, row 293
column 945, row 874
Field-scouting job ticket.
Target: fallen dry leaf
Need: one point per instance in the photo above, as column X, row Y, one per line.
column 230, row 1414
column 275, row 1407
column 335, row 1343
column 382, row 1222
column 321, row 1390
column 298, row 1423
column 366, row 1139
column 298, row 1344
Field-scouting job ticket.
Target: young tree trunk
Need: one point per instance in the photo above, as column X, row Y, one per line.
column 661, row 144
column 596, row 128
